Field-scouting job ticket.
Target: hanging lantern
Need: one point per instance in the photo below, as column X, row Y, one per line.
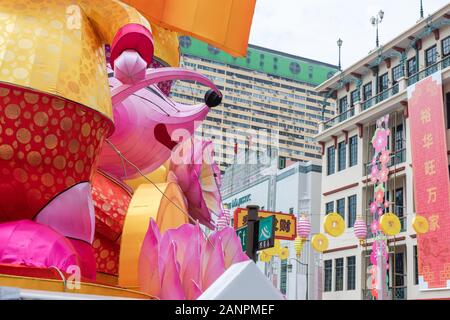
column 303, row 227
column 360, row 229
column 298, row 246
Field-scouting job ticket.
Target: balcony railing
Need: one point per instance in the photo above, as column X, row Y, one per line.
column 440, row 65
column 396, row 158
column 399, row 293
column 386, row 94
column 340, row 118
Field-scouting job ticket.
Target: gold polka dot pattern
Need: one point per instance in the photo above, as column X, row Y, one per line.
column 40, row 159
column 111, row 201
column 56, row 46
column 106, row 255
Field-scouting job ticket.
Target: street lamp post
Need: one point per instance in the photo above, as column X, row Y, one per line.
column 339, row 43
column 307, row 278
column 375, row 21
column 421, row 9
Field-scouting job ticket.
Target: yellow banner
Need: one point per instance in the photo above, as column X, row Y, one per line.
column 285, row 224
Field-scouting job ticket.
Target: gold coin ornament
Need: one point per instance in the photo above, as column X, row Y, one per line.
column 420, row 225
column 390, row 224
column 265, row 257
column 283, row 254
column 334, row 224
column 319, row 242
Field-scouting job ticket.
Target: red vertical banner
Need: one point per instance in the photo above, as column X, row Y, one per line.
column 431, row 180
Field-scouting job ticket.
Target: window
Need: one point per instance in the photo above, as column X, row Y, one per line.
column 340, row 207
column 351, row 211
column 353, row 151
column 342, row 155
column 291, row 210
column 383, row 83
column 397, row 73
column 343, row 105
column 412, row 66
column 329, row 207
column 416, row 267
column 331, row 160
column 339, row 273
column 446, row 47
column 431, row 56
column 328, row 275
column 354, row 97
column 351, row 273
column 367, row 89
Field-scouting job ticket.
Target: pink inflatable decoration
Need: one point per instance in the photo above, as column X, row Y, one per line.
column 193, row 167
column 148, row 120
column 27, row 243
column 181, row 263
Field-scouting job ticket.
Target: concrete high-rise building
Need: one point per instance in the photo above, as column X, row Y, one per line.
column 269, row 100
column 383, row 83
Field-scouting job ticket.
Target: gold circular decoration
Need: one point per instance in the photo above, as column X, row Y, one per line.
column 59, row 162
column 284, row 254
column 51, row 141
column 264, row 256
column 334, row 224
column 40, row 119
column 12, row 111
column 6, row 152
column 23, row 135
column 66, row 124
column 420, row 225
column 319, row 242
column 390, row 224
column 34, row 158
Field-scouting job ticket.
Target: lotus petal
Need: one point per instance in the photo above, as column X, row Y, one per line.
column 149, row 276
column 171, row 288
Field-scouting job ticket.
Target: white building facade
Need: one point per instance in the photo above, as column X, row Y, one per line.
column 294, row 190
column 369, row 89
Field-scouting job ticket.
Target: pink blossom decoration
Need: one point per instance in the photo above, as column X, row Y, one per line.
column 374, row 227
column 379, row 196
column 374, row 172
column 373, row 207
column 379, row 141
column 385, row 156
column 386, row 204
column 383, row 176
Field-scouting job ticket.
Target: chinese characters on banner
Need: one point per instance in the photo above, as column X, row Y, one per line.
column 431, row 181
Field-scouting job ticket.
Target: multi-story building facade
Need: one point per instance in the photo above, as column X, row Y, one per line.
column 269, row 98
column 369, row 89
column 295, row 190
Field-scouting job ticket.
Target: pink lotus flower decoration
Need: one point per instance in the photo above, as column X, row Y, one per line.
column 383, row 176
column 181, row 263
column 193, row 167
column 373, row 255
column 379, row 141
column 386, row 204
column 385, row 157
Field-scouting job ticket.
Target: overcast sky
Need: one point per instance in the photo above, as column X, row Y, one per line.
column 311, row 28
